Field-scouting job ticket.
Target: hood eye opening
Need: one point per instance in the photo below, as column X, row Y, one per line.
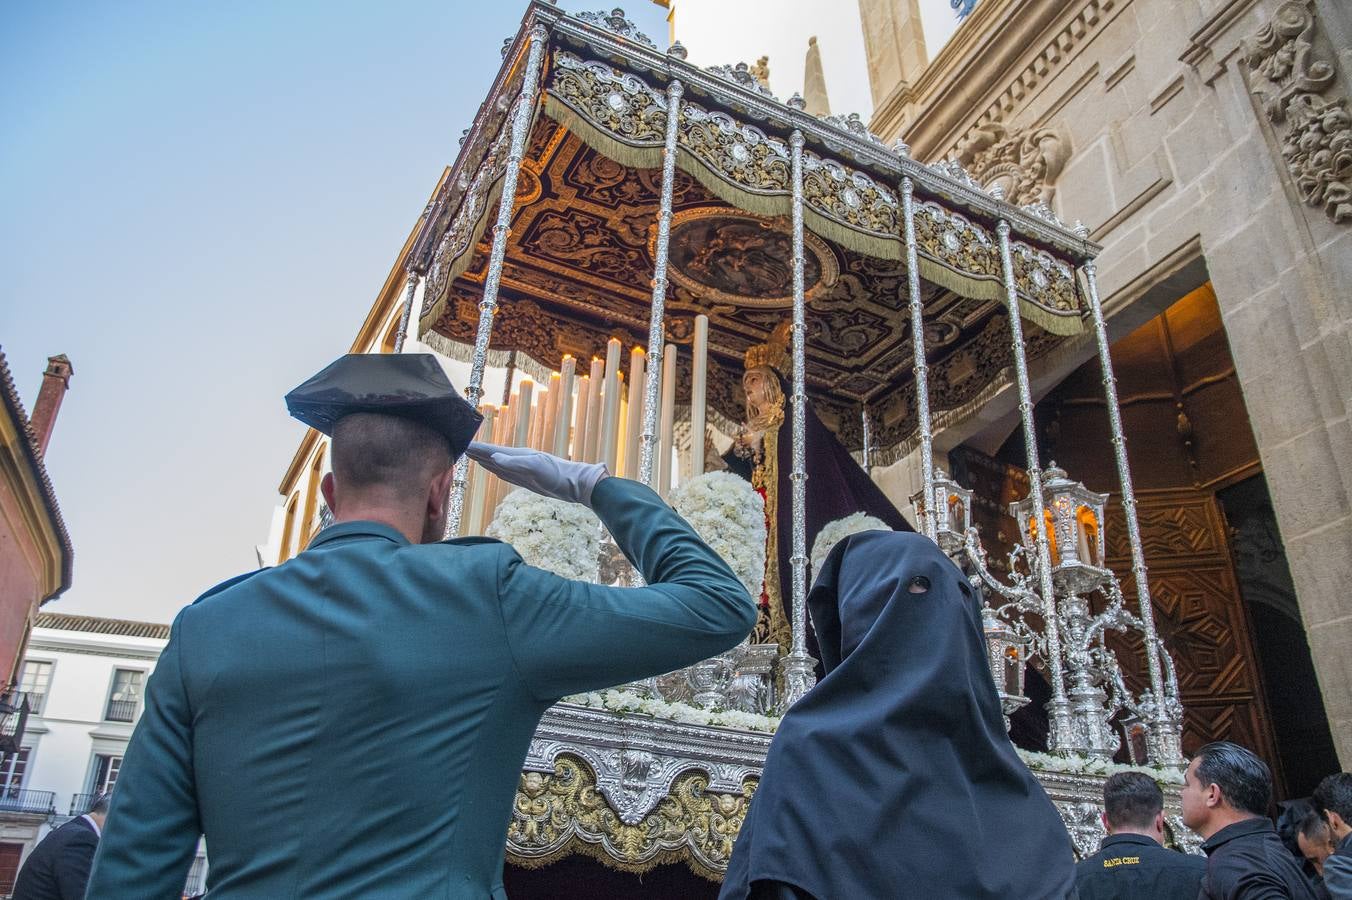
column 919, row 585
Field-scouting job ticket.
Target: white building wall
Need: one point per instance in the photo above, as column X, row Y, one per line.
column 64, row 739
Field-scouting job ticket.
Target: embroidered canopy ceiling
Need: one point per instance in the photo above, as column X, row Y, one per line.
column 578, row 264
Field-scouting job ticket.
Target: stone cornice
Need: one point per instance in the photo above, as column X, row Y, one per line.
column 1007, row 47
column 1201, row 42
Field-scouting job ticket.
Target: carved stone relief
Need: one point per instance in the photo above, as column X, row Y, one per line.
column 1025, row 163
column 1314, row 129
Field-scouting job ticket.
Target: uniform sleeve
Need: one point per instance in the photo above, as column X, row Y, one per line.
column 152, row 828
column 570, row 636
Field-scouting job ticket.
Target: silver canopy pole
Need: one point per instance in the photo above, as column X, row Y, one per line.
column 656, row 320
column 928, row 523
column 1058, row 708
column 502, row 229
column 798, row 665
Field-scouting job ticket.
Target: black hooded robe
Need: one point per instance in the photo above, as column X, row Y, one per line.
column 894, row 777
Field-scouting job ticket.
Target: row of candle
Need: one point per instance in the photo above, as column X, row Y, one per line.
column 593, row 417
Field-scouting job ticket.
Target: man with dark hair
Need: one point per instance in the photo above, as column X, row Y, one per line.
column 1315, row 842
column 388, row 672
column 1333, row 801
column 1225, row 796
column 58, row 867
column 1133, row 862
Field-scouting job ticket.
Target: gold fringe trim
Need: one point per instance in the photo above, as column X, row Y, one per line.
column 461, row 263
column 464, row 352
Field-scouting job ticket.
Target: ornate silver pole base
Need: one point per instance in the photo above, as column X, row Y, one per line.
column 797, row 669
column 1061, row 733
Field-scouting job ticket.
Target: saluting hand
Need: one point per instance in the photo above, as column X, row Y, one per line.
column 540, row 472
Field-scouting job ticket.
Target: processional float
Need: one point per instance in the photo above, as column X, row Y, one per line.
column 608, row 191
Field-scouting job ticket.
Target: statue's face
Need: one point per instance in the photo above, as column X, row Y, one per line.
column 764, row 399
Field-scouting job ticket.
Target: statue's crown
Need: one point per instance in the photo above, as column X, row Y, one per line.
column 774, row 353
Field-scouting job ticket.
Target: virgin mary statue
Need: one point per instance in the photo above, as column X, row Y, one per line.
column 762, row 452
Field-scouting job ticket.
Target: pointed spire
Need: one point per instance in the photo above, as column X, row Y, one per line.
column 814, row 82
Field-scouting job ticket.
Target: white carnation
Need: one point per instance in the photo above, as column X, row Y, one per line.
column 1092, row 765
column 560, row 537
column 835, row 531
column 625, row 702
column 728, row 514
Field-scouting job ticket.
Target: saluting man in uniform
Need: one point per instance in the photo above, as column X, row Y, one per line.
column 352, row 723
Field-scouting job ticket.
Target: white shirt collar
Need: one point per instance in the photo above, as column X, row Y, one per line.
column 98, row 832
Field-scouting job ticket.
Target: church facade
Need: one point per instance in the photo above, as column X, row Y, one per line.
column 1207, row 145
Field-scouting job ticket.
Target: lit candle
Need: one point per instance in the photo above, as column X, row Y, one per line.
column 662, row 449
column 634, row 424
column 536, row 417
column 594, row 406
column 579, row 446
column 501, row 427
column 564, row 418
column 523, row 407
column 1088, row 557
column 550, row 416
column 478, row 486
column 698, row 381
column 610, row 418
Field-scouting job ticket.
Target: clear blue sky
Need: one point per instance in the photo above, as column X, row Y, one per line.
column 200, row 203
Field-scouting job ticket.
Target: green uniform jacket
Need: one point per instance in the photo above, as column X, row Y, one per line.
column 352, row 723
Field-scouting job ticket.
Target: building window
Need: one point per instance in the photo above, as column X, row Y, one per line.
column 105, row 773
column 126, row 695
column 10, row 854
column 37, row 678
column 13, row 766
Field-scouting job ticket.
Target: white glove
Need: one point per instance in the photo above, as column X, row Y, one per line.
column 540, row 472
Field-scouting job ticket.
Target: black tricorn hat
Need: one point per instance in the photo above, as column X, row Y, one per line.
column 410, row 385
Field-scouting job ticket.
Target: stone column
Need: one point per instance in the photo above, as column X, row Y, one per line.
column 894, row 43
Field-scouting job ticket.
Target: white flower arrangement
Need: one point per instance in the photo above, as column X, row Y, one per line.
column 837, row 530
column 728, row 514
column 628, row 703
column 560, row 537
column 1092, row 765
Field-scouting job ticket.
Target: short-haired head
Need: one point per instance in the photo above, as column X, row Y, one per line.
column 1313, row 827
column 1334, row 795
column 100, row 805
column 1244, row 779
column 1131, row 801
column 393, row 455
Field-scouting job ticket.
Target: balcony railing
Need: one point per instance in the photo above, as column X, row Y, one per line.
column 121, row 711
column 42, row 803
column 80, row 803
column 14, row 707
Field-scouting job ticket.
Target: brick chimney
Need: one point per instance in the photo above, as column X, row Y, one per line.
column 55, row 381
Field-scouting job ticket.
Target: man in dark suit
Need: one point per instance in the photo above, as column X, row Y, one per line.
column 58, row 867
column 1133, row 863
column 1226, row 792
column 387, row 671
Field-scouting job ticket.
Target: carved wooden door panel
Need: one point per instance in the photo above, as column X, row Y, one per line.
column 1199, row 613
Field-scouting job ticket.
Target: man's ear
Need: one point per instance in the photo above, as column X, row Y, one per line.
column 1336, row 822
column 1213, row 795
column 326, row 489
column 439, row 493
column 1103, row 817
column 1159, row 823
